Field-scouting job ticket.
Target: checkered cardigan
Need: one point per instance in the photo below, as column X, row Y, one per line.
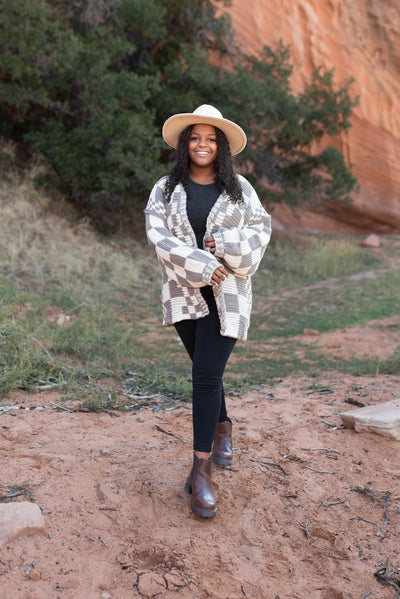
column 241, row 234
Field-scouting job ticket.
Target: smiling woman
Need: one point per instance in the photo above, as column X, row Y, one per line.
column 202, row 153
column 210, row 232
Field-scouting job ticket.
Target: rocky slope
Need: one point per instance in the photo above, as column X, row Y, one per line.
column 359, row 38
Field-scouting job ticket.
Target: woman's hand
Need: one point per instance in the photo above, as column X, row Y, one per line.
column 209, row 243
column 219, row 275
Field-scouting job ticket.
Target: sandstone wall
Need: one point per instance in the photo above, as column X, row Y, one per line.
column 359, row 38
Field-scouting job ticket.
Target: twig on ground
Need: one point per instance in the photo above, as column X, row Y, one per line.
column 43, row 348
column 304, row 527
column 266, row 464
column 385, row 511
column 372, row 493
column 56, row 405
column 321, row 471
column 290, row 456
column 327, row 423
column 388, row 576
column 163, row 430
column 360, row 519
column 337, row 502
column 328, row 449
column 30, row 567
column 4, row 409
column 355, row 402
column 10, row 495
column 366, row 595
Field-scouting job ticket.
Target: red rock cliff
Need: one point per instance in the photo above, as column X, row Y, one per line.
column 359, row 38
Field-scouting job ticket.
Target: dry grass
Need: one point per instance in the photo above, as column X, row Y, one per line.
column 44, row 246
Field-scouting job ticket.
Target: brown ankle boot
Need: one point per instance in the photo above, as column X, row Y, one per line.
column 222, row 448
column 199, row 484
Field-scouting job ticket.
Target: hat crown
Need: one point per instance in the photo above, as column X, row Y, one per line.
column 208, row 110
column 206, row 115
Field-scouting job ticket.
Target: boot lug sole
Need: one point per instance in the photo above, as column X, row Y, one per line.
column 204, row 513
column 221, row 461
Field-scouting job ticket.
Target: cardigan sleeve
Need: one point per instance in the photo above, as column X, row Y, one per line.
column 241, row 249
column 189, row 266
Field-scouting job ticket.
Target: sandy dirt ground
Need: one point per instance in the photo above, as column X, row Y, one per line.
column 309, row 509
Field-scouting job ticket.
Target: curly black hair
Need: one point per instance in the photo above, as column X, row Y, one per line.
column 225, row 176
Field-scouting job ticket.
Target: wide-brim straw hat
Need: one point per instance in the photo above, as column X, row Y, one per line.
column 206, row 115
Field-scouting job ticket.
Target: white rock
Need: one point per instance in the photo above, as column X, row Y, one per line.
column 20, row 519
column 383, row 419
column 372, row 241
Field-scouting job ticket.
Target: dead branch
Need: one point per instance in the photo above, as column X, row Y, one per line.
column 290, row 456
column 337, row 502
column 321, row 471
column 266, row 464
column 43, row 348
column 10, row 495
column 355, row 402
column 163, row 430
column 56, row 405
column 388, row 576
column 304, row 527
column 327, row 423
column 373, row 494
column 328, row 449
column 30, row 567
column 385, row 511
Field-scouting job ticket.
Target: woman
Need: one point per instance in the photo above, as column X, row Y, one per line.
column 210, row 232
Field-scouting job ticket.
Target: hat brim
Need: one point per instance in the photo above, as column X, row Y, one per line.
column 174, row 126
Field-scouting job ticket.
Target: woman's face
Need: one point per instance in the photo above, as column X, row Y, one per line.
column 202, row 145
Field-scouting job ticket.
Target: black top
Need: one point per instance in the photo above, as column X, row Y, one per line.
column 201, row 199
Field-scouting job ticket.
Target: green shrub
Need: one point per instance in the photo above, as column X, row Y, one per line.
column 89, row 85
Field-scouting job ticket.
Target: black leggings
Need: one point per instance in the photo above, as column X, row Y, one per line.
column 209, row 352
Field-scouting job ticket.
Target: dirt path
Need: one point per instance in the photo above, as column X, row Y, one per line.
column 309, row 510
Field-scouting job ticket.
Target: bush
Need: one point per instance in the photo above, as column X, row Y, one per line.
column 88, row 85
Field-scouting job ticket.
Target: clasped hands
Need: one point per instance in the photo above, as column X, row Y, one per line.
column 219, row 273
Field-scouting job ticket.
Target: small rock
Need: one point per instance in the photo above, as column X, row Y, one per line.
column 105, row 596
column 105, row 451
column 150, row 584
column 34, row 575
column 69, row 585
column 311, row 332
column 174, row 580
column 333, row 594
column 372, row 241
column 383, row 419
column 20, row 519
column 140, row 419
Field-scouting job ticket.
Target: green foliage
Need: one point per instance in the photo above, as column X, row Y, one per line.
column 89, row 85
column 284, row 128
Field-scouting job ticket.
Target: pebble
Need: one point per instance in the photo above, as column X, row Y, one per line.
column 372, row 241
column 311, row 332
